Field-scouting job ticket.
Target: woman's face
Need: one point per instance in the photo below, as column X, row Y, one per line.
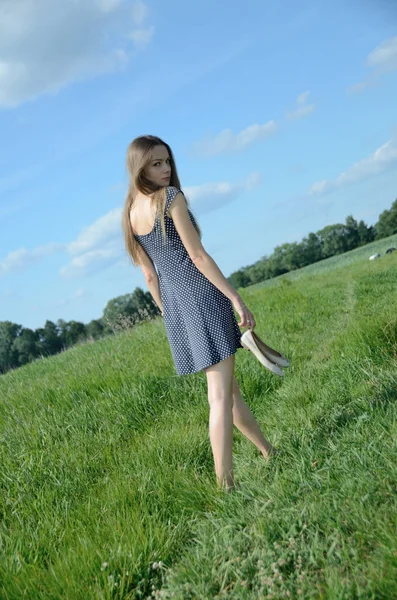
column 159, row 168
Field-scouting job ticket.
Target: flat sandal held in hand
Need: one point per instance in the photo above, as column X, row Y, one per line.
column 270, row 353
column 249, row 342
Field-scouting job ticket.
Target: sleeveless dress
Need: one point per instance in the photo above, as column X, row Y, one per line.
column 199, row 319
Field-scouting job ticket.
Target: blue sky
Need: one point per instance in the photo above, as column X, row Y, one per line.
column 281, row 115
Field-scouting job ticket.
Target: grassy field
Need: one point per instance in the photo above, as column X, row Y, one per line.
column 107, row 481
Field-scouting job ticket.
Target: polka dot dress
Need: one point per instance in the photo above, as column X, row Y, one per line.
column 199, row 319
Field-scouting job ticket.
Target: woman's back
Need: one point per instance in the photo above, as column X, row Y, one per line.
column 169, row 253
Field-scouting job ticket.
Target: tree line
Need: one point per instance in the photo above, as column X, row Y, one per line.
column 20, row 345
column 329, row 241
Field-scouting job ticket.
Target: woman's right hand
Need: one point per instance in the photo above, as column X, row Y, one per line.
column 247, row 319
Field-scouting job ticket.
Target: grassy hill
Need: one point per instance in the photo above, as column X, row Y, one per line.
column 107, row 480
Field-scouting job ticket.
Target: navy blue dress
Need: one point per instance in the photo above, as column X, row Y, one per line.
column 199, row 319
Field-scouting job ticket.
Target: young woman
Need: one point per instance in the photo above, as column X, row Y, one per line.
column 163, row 237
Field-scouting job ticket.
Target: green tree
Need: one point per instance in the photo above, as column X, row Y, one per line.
column 312, row 248
column 27, row 346
column 289, row 256
column 353, row 235
column 50, row 338
column 387, row 222
column 276, row 262
column 143, row 301
column 61, row 328
column 259, row 271
column 134, row 304
column 239, row 279
column 95, row 329
column 285, row 257
column 8, row 354
column 75, row 332
column 119, row 306
column 334, row 239
column 70, row 332
column 366, row 234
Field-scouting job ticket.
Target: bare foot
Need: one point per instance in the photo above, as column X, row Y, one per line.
column 272, row 451
column 226, row 486
column 233, row 488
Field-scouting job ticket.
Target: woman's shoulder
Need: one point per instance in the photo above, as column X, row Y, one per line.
column 171, row 190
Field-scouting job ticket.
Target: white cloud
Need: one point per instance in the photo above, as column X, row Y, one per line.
column 381, row 60
column 99, row 233
column 96, row 247
column 384, row 57
column 108, row 5
column 142, row 37
column 301, row 99
column 356, row 88
column 21, row 259
column 46, row 45
column 211, row 196
column 93, row 261
column 227, row 141
column 381, row 160
column 302, row 109
column 139, row 12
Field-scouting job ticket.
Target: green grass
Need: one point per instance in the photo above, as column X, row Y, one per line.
column 107, row 481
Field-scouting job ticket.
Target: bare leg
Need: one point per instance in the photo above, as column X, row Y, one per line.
column 220, row 398
column 246, row 423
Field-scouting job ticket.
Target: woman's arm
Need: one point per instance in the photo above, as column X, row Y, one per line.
column 153, row 284
column 151, row 276
column 202, row 260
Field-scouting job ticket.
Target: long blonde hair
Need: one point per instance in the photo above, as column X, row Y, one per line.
column 138, row 157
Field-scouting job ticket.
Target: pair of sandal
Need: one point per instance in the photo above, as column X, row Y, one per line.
column 267, row 356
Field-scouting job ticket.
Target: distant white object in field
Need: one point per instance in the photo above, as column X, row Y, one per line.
column 374, row 256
